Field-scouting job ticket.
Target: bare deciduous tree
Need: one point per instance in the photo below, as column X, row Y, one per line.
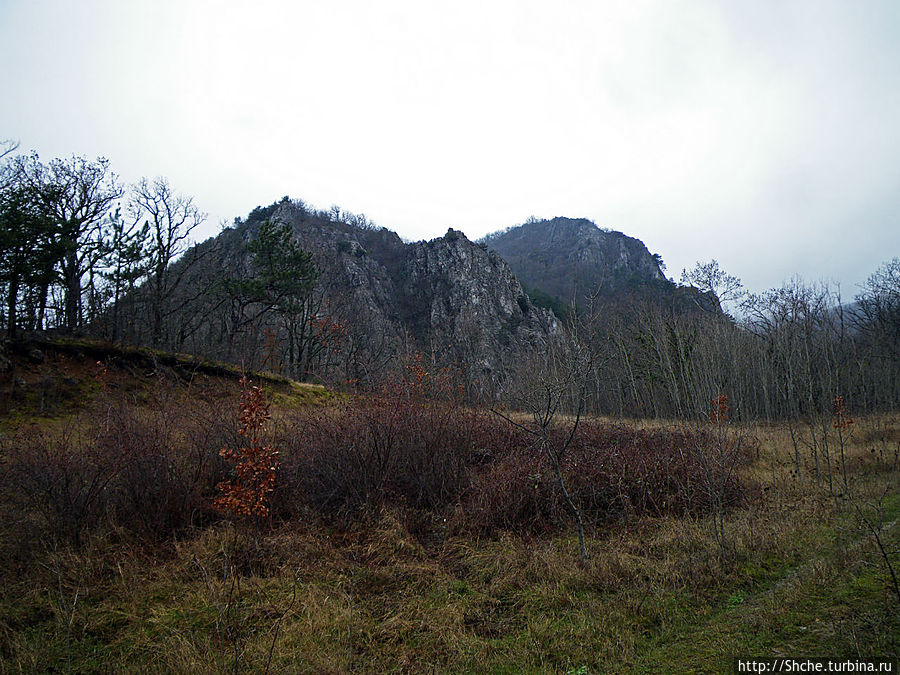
column 554, row 393
column 708, row 277
column 171, row 218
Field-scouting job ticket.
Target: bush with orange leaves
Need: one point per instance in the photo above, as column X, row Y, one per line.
column 253, row 466
column 842, row 418
column 719, row 411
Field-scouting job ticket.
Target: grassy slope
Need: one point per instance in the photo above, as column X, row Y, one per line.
column 804, row 579
column 69, row 374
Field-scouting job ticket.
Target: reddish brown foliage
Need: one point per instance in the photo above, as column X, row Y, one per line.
column 412, row 444
column 254, row 465
column 841, row 415
column 154, row 469
column 719, row 411
column 147, row 471
column 611, row 471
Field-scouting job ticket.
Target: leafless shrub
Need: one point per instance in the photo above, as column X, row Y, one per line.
column 614, row 471
column 66, row 476
column 401, row 445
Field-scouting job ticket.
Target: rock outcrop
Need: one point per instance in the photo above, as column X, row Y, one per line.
column 451, row 299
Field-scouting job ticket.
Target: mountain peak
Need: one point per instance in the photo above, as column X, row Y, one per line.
column 569, row 257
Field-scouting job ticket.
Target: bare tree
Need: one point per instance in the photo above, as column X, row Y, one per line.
column 7, row 147
column 879, row 308
column 171, row 218
column 718, row 455
column 710, row 278
column 554, row 392
column 124, row 264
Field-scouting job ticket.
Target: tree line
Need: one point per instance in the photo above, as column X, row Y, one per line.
column 786, row 353
column 75, row 243
column 82, row 253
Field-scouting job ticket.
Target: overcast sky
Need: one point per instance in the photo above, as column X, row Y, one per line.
column 763, row 133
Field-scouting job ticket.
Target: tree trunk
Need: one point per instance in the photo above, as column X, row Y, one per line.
column 73, row 292
column 11, row 304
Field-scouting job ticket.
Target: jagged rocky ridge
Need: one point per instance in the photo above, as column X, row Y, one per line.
column 452, row 300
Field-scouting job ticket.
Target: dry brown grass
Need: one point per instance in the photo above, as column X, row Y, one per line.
column 392, row 591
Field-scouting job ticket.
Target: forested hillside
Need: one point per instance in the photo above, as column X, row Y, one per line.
column 320, row 295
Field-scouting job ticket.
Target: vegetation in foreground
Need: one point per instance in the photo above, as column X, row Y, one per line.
column 407, row 533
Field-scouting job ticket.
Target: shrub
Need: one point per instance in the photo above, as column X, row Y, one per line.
column 169, row 470
column 611, row 471
column 154, row 469
column 64, row 476
column 150, row 472
column 410, row 444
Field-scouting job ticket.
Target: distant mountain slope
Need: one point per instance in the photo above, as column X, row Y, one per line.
column 563, row 259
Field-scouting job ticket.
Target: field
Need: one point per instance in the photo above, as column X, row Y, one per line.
column 392, row 561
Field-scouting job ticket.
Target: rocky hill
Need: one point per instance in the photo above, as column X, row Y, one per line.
column 453, row 299
column 566, row 259
column 449, row 299
column 378, row 300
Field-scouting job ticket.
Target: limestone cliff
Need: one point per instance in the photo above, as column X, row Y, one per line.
column 449, row 298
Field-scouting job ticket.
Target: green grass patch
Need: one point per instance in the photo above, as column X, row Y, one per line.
column 301, row 394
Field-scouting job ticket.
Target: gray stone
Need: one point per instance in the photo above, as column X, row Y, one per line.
column 448, row 298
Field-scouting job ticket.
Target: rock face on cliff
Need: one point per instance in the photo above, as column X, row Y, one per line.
column 465, row 299
column 451, row 299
